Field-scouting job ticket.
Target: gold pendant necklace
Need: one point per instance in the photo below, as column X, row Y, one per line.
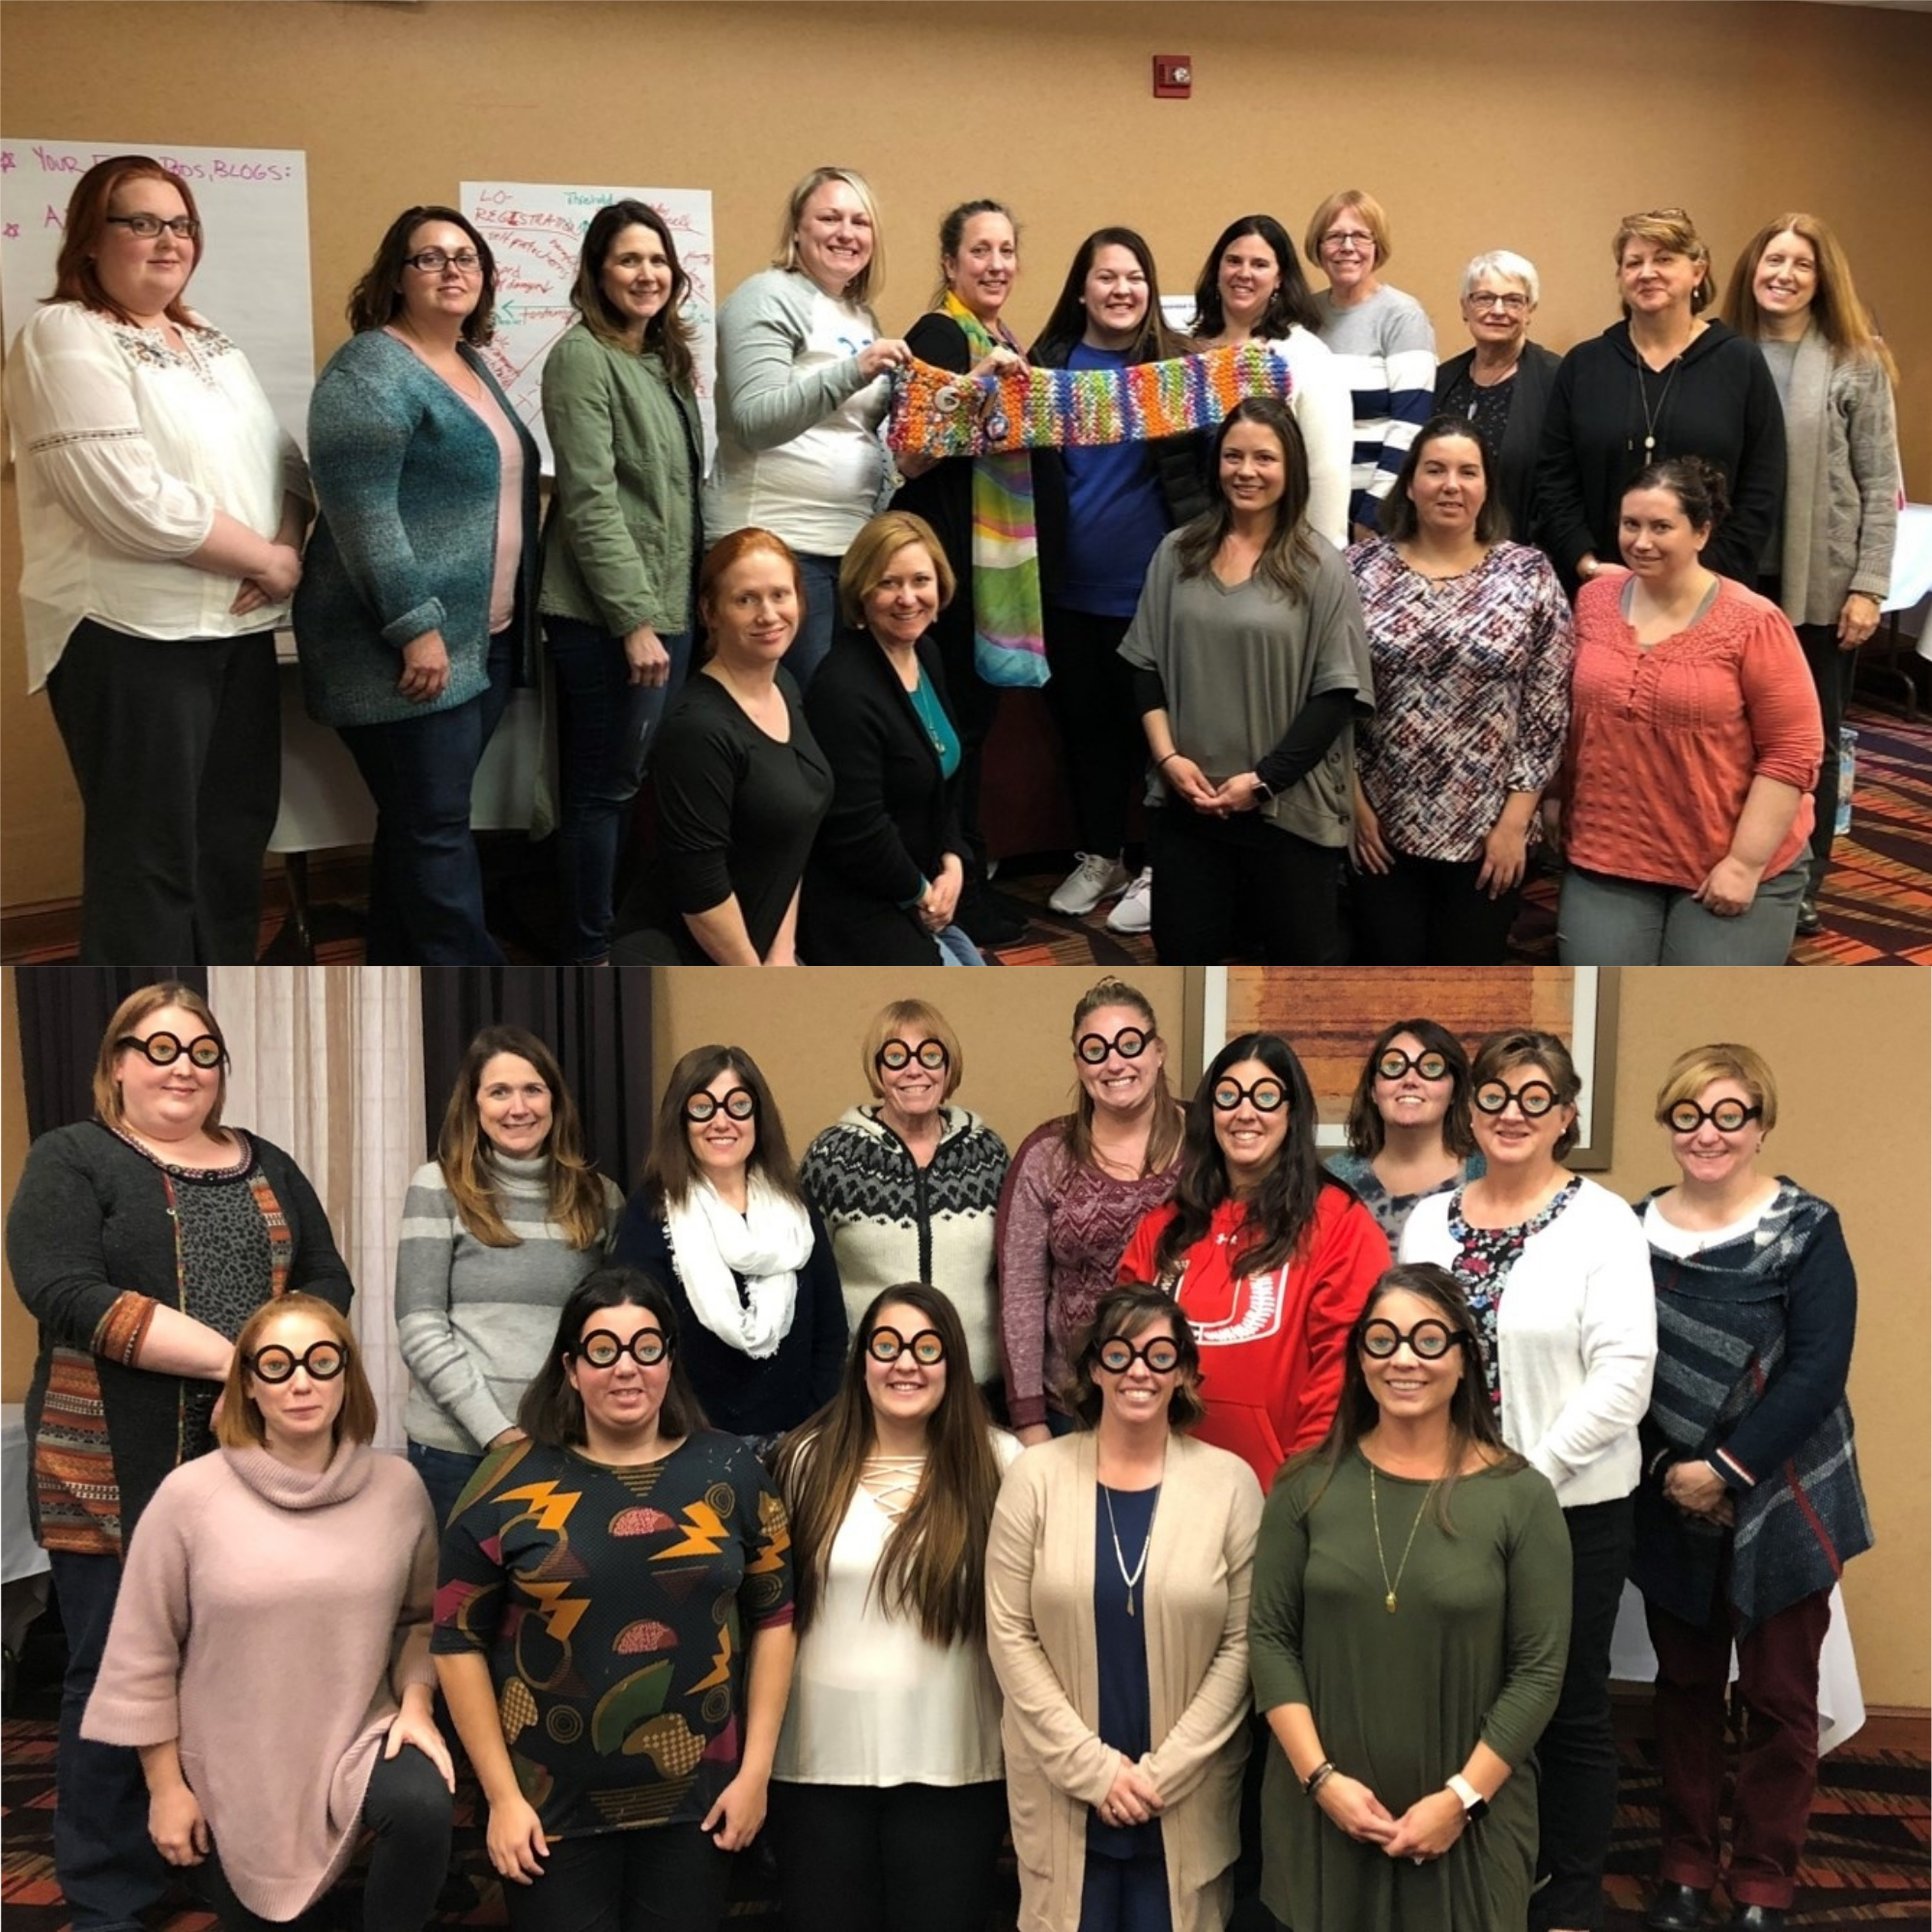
column 1375, row 1515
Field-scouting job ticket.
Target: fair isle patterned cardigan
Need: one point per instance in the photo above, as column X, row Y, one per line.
column 1755, row 1343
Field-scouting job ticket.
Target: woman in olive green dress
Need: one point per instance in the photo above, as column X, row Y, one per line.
column 1410, row 1621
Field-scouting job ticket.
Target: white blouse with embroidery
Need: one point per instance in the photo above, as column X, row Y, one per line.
column 127, row 448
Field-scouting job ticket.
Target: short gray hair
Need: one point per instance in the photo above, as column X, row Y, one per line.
column 1510, row 267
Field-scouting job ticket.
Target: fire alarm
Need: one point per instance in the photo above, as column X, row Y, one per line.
column 1173, row 76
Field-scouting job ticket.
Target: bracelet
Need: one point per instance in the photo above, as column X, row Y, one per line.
column 1160, row 761
column 1316, row 1777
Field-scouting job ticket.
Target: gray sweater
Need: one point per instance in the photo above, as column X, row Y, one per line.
column 474, row 1323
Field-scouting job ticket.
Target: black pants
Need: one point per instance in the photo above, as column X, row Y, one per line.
column 1576, row 1783
column 1092, row 695
column 976, row 704
column 407, row 1807
column 1427, row 912
column 1832, row 672
column 176, row 745
column 652, row 1878
column 1224, row 884
column 897, row 1858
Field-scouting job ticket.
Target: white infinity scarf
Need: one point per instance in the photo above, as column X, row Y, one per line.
column 767, row 1244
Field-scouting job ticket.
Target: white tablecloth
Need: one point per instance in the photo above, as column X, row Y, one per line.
column 1841, row 1704
column 19, row 1554
column 1912, row 573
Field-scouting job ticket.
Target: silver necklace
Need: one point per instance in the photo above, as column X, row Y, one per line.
column 1650, row 416
column 1133, row 1576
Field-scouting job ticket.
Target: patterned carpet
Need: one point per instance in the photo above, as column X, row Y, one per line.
column 1865, row 1864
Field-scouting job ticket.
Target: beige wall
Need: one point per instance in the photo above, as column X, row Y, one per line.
column 1480, row 126
column 1840, row 1041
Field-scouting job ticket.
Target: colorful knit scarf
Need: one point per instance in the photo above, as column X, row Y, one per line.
column 1008, row 629
column 938, row 413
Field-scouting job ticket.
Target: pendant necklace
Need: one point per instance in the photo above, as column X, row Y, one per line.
column 1650, row 416
column 1375, row 1514
column 1133, row 1576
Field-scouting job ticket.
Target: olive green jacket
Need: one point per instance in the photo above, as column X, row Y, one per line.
column 621, row 544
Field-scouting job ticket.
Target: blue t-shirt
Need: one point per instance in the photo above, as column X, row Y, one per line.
column 1120, row 1641
column 1115, row 515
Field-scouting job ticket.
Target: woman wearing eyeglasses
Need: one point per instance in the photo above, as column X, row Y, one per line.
column 497, row 1231
column 1557, row 1277
column 1118, row 1573
column 140, row 1242
column 418, row 614
column 294, row 1567
column 1750, row 1504
column 719, row 1219
column 1076, row 1191
column 909, row 1186
column 1268, row 1254
column 1410, row 1605
column 1409, row 1123
column 161, row 515
column 890, row 1800
column 613, row 1629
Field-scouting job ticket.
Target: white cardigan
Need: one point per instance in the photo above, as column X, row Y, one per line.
column 1576, row 1330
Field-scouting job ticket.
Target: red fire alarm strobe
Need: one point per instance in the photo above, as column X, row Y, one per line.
column 1173, row 76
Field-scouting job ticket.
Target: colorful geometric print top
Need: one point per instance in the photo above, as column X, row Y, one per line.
column 616, row 1607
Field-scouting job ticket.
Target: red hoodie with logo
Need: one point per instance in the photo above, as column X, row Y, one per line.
column 1272, row 1344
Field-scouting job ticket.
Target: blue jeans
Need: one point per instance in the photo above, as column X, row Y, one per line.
column 820, row 578
column 425, row 880
column 957, row 949
column 107, row 1866
column 1602, row 920
column 605, row 728
column 445, row 1474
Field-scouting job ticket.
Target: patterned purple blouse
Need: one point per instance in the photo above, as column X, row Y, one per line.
column 1472, row 693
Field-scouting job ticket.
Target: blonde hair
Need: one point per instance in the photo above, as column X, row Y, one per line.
column 1692, row 1071
column 870, row 280
column 1359, row 201
column 929, row 1023
column 240, row 1426
column 1669, row 228
column 871, row 553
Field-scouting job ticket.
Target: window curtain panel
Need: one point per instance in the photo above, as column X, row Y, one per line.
column 61, row 1013
column 597, row 1020
column 327, row 1063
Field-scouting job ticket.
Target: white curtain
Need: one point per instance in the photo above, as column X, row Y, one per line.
column 327, row 1064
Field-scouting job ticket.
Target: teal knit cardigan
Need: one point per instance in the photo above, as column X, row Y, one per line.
column 406, row 475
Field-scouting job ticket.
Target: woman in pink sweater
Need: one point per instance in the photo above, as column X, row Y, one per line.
column 1684, row 801
column 269, row 1651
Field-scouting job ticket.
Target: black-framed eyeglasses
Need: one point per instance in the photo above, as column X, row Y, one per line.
column 1130, row 1042
column 433, row 261
column 895, row 1056
column 1265, row 1096
column 182, row 227
column 1533, row 1099
column 1429, row 1064
column 887, row 1345
column 324, row 1361
column 1429, row 1341
column 601, row 1349
column 1117, row 1354
column 164, row 1049
column 1726, row 1116
column 739, row 1103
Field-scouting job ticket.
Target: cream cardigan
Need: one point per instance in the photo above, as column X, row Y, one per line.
column 1039, row 1630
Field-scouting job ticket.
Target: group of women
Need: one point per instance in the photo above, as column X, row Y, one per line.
column 1709, row 483
column 906, row 1630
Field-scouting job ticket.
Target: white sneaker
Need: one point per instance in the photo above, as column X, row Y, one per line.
column 1135, row 910
column 1090, row 881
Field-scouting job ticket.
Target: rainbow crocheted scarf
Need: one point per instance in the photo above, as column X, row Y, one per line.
column 937, row 413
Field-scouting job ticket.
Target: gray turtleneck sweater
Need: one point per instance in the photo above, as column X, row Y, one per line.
column 474, row 1323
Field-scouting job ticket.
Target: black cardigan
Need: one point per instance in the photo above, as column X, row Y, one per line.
column 1721, row 404
column 1522, row 436
column 891, row 821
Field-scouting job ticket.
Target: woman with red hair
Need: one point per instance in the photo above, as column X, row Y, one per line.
column 162, row 514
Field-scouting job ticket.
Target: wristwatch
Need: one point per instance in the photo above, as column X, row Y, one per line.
column 1474, row 1805
column 1264, row 791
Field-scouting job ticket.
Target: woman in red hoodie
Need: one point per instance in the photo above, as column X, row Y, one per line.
column 1269, row 1256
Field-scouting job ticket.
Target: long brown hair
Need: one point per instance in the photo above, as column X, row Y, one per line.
column 670, row 1170
column 1366, row 1129
column 1843, row 319
column 667, row 333
column 1472, row 1418
column 75, row 277
column 1164, row 1130
column 1288, row 558
column 576, row 1191
column 932, row 1569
